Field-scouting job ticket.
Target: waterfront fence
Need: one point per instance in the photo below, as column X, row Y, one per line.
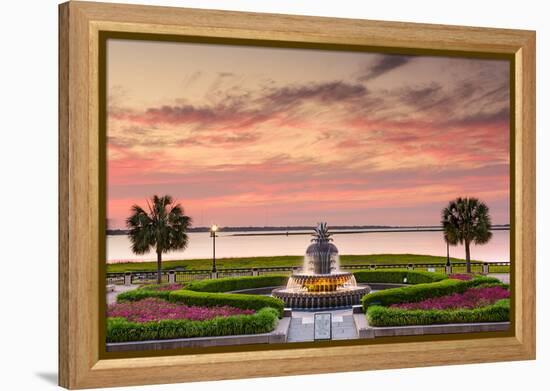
column 183, row 276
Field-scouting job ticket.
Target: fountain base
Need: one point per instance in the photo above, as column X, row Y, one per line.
column 320, row 291
column 321, row 300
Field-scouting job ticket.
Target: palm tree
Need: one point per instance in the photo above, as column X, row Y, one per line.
column 162, row 227
column 466, row 221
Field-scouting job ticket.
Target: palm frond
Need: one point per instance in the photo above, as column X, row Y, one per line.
column 162, row 227
column 466, row 220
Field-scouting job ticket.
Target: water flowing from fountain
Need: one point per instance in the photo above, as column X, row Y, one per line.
column 321, row 284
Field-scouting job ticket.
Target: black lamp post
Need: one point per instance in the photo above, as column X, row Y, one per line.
column 213, row 231
column 447, row 242
column 448, row 259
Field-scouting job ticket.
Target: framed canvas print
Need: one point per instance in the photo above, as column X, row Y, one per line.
column 272, row 194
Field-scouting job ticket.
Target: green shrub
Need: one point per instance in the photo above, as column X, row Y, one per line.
column 150, row 287
column 397, row 276
column 379, row 316
column 122, row 330
column 204, row 293
column 237, row 283
column 208, row 299
column 410, row 294
column 500, row 284
column 142, row 293
column 163, row 287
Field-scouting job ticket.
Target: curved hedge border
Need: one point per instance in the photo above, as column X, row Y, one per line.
column 142, row 293
column 122, row 330
column 210, row 293
column 398, row 276
column 379, row 316
column 236, row 283
column 237, row 300
column 420, row 292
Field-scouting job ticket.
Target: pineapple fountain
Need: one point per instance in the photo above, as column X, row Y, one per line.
column 321, row 284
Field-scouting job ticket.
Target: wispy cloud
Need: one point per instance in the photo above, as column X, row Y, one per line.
column 383, row 65
column 327, row 93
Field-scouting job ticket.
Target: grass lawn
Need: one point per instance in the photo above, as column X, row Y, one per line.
column 289, row 261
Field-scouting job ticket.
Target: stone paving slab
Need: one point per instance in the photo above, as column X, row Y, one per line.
column 504, row 277
column 117, row 290
column 345, row 330
column 302, row 326
column 300, row 332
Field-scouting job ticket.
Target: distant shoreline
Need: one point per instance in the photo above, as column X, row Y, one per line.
column 114, row 232
column 284, row 261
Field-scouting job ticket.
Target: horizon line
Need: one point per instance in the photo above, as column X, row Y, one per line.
column 264, row 227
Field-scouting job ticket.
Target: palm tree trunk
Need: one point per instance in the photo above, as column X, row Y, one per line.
column 468, row 265
column 159, row 261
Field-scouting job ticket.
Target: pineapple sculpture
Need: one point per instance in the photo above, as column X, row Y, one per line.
column 321, row 252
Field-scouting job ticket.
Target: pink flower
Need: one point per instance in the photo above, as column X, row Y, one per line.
column 153, row 309
column 169, row 287
column 471, row 298
column 463, row 277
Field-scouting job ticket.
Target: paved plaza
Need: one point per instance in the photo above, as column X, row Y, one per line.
column 301, row 325
column 114, row 290
column 504, row 277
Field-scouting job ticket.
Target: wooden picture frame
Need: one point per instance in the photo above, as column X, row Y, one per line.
column 81, row 364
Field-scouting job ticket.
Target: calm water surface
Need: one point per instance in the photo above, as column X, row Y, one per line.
column 430, row 243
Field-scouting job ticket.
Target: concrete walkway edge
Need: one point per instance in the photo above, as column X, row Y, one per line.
column 367, row 331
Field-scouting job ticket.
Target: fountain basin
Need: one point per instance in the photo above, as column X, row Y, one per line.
column 322, row 285
column 305, row 282
column 310, row 291
column 297, row 299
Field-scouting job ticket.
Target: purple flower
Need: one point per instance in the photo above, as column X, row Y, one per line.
column 169, row 287
column 153, row 309
column 463, row 277
column 471, row 298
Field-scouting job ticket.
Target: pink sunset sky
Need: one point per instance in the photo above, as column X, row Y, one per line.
column 250, row 136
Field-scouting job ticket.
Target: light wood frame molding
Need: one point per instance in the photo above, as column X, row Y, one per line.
column 80, row 364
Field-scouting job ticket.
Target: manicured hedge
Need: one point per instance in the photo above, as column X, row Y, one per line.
column 208, row 299
column 379, row 316
column 237, row 283
column 163, row 287
column 204, row 293
column 420, row 292
column 398, row 276
column 142, row 293
column 122, row 330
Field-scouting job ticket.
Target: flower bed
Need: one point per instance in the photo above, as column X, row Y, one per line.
column 477, row 300
column 143, row 293
column 379, row 316
column 471, row 298
column 461, row 276
column 212, row 299
column 123, row 330
column 173, row 311
column 163, row 287
column 416, row 293
column 154, row 309
column 237, row 300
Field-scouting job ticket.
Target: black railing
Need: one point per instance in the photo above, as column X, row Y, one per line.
column 182, row 276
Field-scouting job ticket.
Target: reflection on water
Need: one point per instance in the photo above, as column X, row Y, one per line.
column 430, row 243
